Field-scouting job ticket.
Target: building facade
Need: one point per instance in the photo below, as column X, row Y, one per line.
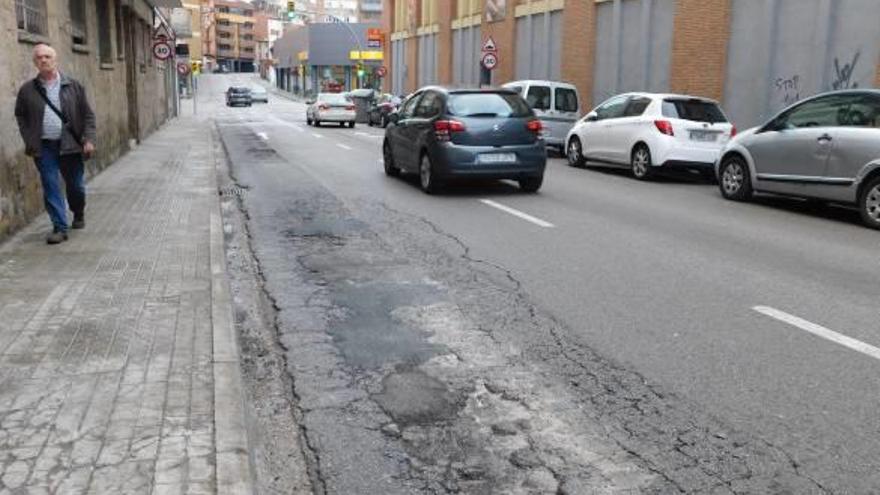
column 235, row 35
column 753, row 56
column 106, row 45
column 324, row 57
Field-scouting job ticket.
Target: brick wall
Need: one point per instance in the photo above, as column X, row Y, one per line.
column 579, row 47
column 699, row 47
column 445, row 14
column 106, row 86
column 387, row 28
column 412, row 62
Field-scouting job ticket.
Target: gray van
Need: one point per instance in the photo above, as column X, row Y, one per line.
column 556, row 104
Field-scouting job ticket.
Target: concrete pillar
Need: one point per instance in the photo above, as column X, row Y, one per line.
column 579, row 48
column 699, row 47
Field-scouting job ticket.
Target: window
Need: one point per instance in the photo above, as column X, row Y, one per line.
column 30, row 16
column 612, row 108
column 469, row 7
column 566, row 100
column 105, row 39
column 539, row 97
column 821, row 112
column 430, row 106
column 860, row 111
column 120, row 50
column 636, row 106
column 78, row 21
column 409, row 106
column 487, row 105
column 695, row 110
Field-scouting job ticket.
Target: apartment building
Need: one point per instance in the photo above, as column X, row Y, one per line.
column 105, row 44
column 234, row 35
column 753, row 56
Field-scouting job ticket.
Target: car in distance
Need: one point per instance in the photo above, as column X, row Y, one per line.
column 331, row 107
column 826, row 147
column 556, row 104
column 648, row 132
column 442, row 134
column 381, row 108
column 259, row 93
column 237, row 95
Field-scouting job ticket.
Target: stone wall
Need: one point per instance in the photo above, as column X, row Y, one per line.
column 106, row 84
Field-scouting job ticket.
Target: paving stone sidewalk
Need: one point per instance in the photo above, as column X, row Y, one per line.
column 118, row 362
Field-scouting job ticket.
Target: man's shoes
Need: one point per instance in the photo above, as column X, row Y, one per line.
column 56, row 238
column 79, row 222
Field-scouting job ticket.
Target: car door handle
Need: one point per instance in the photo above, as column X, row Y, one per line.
column 824, row 137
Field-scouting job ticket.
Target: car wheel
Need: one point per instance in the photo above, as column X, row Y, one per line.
column 351, row 124
column 735, row 182
column 427, row 175
column 388, row 159
column 641, row 162
column 575, row 152
column 869, row 204
column 384, row 122
column 317, row 123
column 531, row 184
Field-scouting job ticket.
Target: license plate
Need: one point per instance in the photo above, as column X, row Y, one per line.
column 496, row 158
column 707, row 137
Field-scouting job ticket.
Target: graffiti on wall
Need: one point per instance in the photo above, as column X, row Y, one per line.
column 843, row 74
column 788, row 89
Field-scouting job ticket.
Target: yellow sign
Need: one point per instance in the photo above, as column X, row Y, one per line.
column 302, row 55
column 366, row 55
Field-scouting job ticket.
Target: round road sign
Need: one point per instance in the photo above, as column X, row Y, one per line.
column 490, row 60
column 162, row 50
column 182, row 68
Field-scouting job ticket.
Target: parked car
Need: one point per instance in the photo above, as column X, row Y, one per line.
column 331, row 107
column 259, row 93
column 647, row 132
column 556, row 104
column 237, row 95
column 442, row 133
column 381, row 109
column 826, row 147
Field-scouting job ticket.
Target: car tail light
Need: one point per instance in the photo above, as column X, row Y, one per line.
column 732, row 131
column 443, row 129
column 664, row 126
column 535, row 126
column 323, row 107
column 349, row 107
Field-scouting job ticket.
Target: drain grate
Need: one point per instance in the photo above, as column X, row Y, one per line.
column 232, row 191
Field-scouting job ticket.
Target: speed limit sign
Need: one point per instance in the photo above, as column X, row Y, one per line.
column 162, row 50
column 490, row 60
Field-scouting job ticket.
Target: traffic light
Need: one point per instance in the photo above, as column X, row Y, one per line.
column 291, row 10
column 360, row 69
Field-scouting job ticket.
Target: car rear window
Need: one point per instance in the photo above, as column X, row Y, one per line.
column 566, row 100
column 334, row 98
column 239, row 90
column 695, row 110
column 487, row 105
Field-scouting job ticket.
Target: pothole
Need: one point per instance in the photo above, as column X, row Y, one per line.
column 413, row 398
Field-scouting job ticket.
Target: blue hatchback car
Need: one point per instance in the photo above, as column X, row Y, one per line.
column 442, row 134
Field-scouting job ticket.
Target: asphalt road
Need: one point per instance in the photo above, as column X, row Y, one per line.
column 662, row 278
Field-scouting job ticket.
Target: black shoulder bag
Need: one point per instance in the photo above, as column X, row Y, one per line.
column 64, row 120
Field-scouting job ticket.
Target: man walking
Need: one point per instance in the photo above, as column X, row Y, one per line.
column 57, row 125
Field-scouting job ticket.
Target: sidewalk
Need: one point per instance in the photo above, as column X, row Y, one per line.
column 118, row 358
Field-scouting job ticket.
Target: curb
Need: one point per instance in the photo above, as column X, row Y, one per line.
column 233, row 468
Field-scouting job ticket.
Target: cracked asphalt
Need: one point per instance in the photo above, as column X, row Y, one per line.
column 406, row 347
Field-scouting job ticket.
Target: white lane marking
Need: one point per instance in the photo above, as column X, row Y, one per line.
column 517, row 213
column 317, row 135
column 344, row 146
column 263, row 136
column 819, row 330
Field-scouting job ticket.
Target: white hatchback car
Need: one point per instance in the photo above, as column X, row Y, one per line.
column 647, row 132
column 331, row 107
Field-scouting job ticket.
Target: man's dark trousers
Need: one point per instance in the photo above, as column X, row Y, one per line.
column 53, row 166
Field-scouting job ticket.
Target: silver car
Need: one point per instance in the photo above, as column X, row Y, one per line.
column 259, row 93
column 826, row 147
column 331, row 107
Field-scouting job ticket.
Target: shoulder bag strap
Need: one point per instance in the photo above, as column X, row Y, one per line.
column 64, row 120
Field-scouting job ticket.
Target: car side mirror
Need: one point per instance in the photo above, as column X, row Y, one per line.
column 592, row 117
column 394, row 117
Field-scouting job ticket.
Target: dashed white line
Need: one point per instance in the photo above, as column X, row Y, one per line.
column 317, row 135
column 263, row 136
column 349, row 148
column 820, row 331
column 525, row 216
